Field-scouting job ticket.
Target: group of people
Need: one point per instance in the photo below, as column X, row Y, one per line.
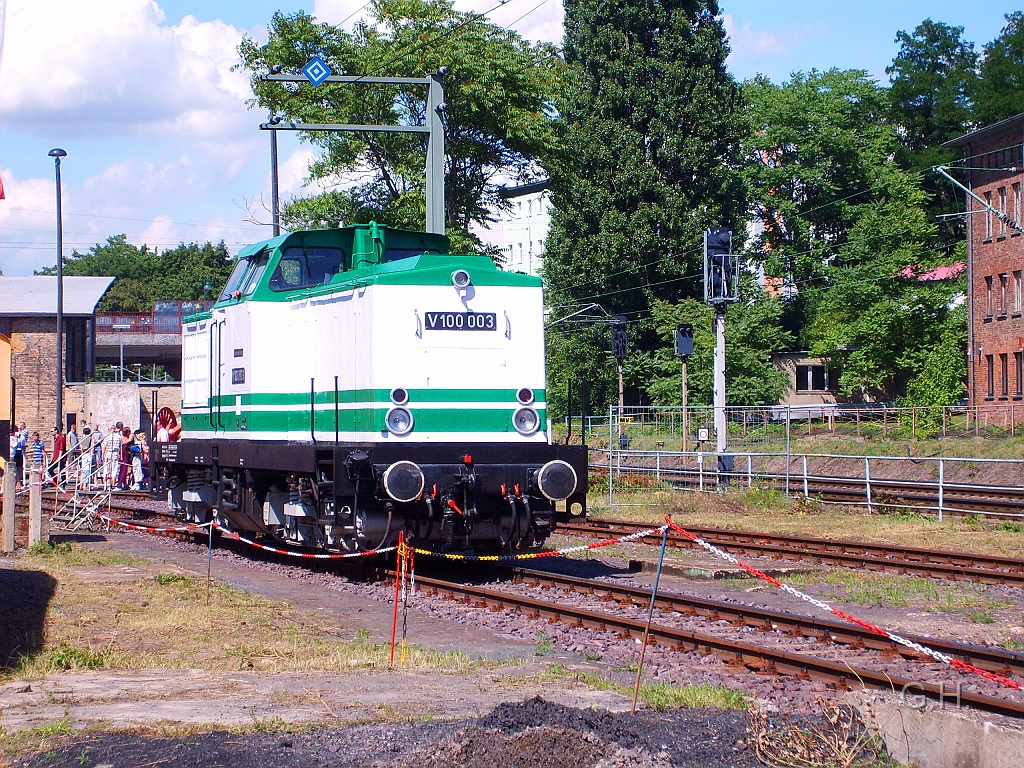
column 117, row 458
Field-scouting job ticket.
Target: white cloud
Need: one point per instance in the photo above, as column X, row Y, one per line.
column 532, row 22
column 292, row 173
column 747, row 42
column 114, row 67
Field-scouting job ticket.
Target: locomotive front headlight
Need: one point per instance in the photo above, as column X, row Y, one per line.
column 526, row 421
column 399, row 421
column 556, row 480
column 460, row 279
column 403, row 481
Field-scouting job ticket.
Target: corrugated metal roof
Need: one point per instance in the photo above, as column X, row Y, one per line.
column 37, row 295
column 1008, row 125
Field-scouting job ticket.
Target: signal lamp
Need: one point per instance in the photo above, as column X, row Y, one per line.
column 399, row 396
column 524, row 396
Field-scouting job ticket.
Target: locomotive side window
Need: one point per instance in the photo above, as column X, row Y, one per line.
column 306, row 267
column 235, row 279
column 255, row 272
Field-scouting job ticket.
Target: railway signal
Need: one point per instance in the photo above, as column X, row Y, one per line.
column 721, row 288
column 684, row 348
column 619, row 348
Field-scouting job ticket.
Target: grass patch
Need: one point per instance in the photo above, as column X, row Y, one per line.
column 164, row 622
column 877, row 590
column 659, row 696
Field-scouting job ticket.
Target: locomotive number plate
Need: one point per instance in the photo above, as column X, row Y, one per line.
column 461, row 321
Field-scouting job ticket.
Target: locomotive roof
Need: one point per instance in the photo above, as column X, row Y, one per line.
column 342, row 235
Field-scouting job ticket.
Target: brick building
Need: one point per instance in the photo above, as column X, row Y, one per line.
column 28, row 316
column 994, row 161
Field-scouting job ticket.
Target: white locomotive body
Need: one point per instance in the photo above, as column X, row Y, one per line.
column 353, row 382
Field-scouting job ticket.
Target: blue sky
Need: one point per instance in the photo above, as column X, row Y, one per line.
column 161, row 146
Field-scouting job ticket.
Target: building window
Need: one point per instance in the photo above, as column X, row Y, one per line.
column 1002, row 210
column 816, row 378
column 1016, row 203
column 1018, row 360
column 988, row 215
column 991, row 366
column 1002, row 295
column 1004, row 373
column 988, row 296
column 1016, row 292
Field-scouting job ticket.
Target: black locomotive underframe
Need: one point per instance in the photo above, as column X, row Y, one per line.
column 478, row 477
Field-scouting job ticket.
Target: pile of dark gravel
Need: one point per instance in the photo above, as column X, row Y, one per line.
column 530, row 733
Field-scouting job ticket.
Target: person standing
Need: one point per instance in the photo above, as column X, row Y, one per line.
column 85, row 467
column 124, row 458
column 74, row 453
column 139, row 453
column 19, row 450
column 37, row 453
column 111, row 453
column 59, row 457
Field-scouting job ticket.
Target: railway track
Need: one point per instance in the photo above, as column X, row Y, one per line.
column 761, row 658
column 953, row 499
column 997, row 660
column 930, row 563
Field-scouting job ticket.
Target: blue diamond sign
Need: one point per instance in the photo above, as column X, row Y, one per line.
column 316, row 70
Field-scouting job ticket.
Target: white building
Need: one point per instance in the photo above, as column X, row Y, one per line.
column 522, row 230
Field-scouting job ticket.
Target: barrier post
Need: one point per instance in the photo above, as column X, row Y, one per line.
column 867, row 481
column 650, row 617
column 806, row 494
column 35, row 506
column 942, row 474
column 10, row 483
column 399, row 558
column 750, row 473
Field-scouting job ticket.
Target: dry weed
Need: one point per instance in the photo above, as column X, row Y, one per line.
column 842, row 741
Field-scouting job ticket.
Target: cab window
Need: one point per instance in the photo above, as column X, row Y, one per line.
column 306, row 267
column 235, row 279
column 252, row 276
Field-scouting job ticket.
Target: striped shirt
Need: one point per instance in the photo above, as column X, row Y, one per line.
column 38, row 451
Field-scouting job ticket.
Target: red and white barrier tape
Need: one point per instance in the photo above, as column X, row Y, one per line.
column 921, row 649
column 550, row 553
column 306, row 555
column 149, row 528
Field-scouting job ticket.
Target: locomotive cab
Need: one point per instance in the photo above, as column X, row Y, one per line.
column 353, row 383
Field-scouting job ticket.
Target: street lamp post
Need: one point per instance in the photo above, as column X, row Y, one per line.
column 57, row 154
column 120, row 328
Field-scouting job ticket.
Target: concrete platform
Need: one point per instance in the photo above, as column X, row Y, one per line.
column 708, row 569
column 927, row 734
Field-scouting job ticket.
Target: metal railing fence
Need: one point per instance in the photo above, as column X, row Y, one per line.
column 945, row 485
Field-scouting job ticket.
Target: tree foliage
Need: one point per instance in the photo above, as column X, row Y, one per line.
column 497, row 89
column 846, row 230
column 934, row 82
column 145, row 275
column 648, row 132
column 1001, row 90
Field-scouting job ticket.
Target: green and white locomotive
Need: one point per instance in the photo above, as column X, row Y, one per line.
column 353, row 383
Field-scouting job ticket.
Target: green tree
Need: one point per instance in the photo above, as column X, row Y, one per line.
column 144, row 275
column 934, row 80
column 942, row 379
column 497, row 89
column 845, row 228
column 753, row 333
column 648, row 133
column 1001, row 90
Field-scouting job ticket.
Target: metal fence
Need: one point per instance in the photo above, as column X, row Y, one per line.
column 945, row 485
column 165, row 317
column 778, row 427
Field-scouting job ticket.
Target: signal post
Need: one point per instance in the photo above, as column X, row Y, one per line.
column 721, row 288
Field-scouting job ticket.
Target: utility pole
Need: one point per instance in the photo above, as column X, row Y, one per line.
column 619, row 348
column 721, row 288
